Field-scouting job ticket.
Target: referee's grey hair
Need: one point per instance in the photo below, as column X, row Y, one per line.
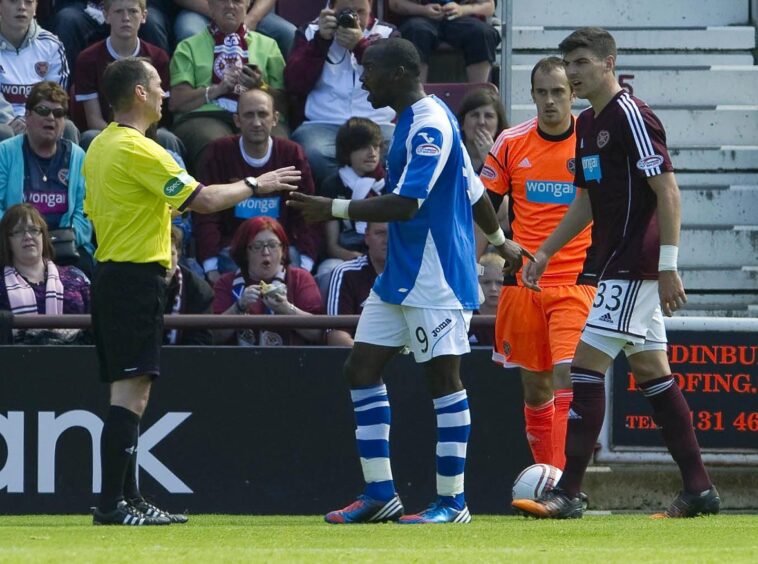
column 120, row 78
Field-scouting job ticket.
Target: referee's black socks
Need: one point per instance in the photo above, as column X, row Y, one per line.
column 131, row 489
column 118, row 444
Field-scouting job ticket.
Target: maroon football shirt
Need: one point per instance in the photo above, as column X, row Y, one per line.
column 616, row 152
column 90, row 67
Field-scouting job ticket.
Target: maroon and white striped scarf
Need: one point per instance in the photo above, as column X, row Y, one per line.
column 21, row 295
column 229, row 51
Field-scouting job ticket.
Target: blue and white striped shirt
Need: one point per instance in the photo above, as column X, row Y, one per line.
column 431, row 259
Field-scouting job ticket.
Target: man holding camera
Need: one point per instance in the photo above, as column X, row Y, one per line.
column 323, row 72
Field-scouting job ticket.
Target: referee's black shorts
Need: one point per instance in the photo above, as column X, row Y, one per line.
column 128, row 301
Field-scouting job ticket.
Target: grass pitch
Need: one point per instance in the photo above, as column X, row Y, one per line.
column 234, row 538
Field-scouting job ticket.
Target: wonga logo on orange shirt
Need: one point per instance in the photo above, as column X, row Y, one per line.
column 550, row 192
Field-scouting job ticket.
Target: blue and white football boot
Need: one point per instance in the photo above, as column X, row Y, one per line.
column 438, row 513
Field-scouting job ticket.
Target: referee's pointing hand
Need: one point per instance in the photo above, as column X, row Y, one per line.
column 279, row 180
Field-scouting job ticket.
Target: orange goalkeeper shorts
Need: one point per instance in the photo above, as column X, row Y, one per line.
column 537, row 330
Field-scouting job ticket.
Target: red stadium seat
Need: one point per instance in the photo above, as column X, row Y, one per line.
column 452, row 93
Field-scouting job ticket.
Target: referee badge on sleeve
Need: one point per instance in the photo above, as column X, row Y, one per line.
column 173, row 186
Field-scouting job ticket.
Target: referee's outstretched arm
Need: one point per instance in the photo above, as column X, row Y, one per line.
column 216, row 197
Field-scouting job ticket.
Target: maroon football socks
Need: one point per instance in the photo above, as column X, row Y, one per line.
column 585, row 419
column 672, row 415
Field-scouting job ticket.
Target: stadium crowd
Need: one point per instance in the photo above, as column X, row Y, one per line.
column 249, row 108
column 246, row 93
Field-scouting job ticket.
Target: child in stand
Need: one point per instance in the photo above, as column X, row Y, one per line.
column 359, row 147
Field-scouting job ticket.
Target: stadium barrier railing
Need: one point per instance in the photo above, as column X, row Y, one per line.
column 208, row 321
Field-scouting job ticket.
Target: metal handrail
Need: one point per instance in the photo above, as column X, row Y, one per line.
column 207, row 321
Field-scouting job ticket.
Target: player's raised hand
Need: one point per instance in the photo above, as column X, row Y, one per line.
column 533, row 271
column 313, row 208
column 671, row 292
column 514, row 254
column 279, row 180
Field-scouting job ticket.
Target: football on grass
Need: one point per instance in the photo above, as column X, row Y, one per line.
column 535, row 480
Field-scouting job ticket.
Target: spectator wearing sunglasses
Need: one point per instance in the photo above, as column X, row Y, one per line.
column 28, row 54
column 43, row 169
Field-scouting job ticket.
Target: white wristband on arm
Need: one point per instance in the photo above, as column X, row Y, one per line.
column 497, row 238
column 668, row 257
column 339, row 208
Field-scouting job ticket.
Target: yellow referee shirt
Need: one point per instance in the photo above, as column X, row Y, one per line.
column 131, row 184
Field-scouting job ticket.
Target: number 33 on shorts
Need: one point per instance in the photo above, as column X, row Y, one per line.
column 625, row 306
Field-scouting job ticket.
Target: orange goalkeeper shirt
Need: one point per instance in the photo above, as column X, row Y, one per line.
column 536, row 172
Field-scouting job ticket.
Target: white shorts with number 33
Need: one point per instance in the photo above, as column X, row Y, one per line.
column 626, row 314
column 427, row 332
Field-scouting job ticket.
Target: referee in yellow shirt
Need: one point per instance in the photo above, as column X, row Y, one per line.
column 132, row 185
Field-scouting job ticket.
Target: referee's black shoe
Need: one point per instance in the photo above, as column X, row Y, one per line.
column 143, row 506
column 125, row 514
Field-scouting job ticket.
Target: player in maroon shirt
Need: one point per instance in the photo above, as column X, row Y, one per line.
column 628, row 190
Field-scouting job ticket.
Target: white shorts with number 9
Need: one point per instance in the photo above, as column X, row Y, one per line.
column 427, row 332
column 626, row 314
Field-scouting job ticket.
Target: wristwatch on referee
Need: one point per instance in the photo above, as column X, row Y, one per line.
column 252, row 183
